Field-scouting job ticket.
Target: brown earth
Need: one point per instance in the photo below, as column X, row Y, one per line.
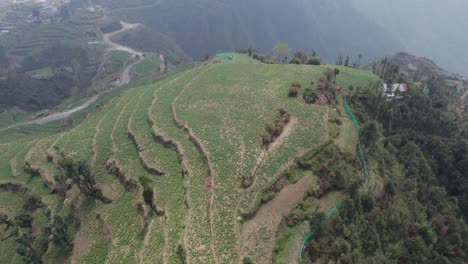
column 263, row 226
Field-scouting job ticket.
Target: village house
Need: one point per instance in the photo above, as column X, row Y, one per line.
column 394, row 91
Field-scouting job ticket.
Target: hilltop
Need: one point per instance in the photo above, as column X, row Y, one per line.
column 418, row 68
column 170, row 162
column 236, row 161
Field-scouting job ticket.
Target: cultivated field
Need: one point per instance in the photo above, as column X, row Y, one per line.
column 194, row 135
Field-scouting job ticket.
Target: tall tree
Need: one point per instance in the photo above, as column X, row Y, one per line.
column 346, row 61
column 281, row 52
column 339, row 61
column 302, row 56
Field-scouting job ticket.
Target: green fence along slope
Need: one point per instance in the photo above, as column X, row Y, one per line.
column 366, row 173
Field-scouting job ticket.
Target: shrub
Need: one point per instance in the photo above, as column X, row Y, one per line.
column 314, row 61
column 24, row 219
column 294, row 89
column 274, row 130
column 247, row 261
column 309, row 96
column 295, row 61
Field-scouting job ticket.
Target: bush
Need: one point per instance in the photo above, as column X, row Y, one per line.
column 273, row 131
column 309, row 96
column 295, row 61
column 314, row 61
column 247, row 260
column 294, row 89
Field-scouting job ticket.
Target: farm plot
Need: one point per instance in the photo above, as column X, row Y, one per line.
column 197, row 238
column 228, row 110
column 193, row 136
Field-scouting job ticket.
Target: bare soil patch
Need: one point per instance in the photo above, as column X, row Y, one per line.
column 81, row 244
column 108, row 191
column 322, row 100
column 263, row 226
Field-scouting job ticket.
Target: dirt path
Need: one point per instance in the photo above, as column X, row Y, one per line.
column 263, row 226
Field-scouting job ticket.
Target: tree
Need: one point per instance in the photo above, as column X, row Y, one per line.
column 24, row 219
column 281, row 52
column 247, row 260
column 295, row 61
column 86, row 180
column 314, row 60
column 24, row 248
column 346, row 61
column 359, row 57
column 370, row 134
column 302, row 56
column 58, row 231
column 337, row 71
column 339, row 61
column 309, row 96
column 251, row 50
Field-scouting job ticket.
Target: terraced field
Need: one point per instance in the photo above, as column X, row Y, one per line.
column 194, row 135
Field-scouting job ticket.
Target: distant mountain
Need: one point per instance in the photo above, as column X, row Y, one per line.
column 209, row 26
column 420, row 67
column 431, row 28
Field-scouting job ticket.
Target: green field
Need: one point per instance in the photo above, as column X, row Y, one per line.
column 194, row 134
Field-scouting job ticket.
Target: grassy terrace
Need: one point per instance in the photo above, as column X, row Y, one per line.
column 194, row 135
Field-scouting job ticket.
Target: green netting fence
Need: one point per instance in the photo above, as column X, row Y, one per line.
column 351, row 116
column 363, row 188
column 227, row 57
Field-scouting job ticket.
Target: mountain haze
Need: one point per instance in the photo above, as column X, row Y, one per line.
column 210, row 26
column 429, row 28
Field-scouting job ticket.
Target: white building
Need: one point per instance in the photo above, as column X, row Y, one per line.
column 394, row 91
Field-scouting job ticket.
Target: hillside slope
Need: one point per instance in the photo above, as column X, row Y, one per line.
column 168, row 161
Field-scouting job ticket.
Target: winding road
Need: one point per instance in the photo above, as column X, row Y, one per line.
column 107, row 38
column 125, row 78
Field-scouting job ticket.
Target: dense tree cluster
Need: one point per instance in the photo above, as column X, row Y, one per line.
column 418, row 152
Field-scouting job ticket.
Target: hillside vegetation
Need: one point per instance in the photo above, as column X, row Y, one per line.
column 159, row 172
